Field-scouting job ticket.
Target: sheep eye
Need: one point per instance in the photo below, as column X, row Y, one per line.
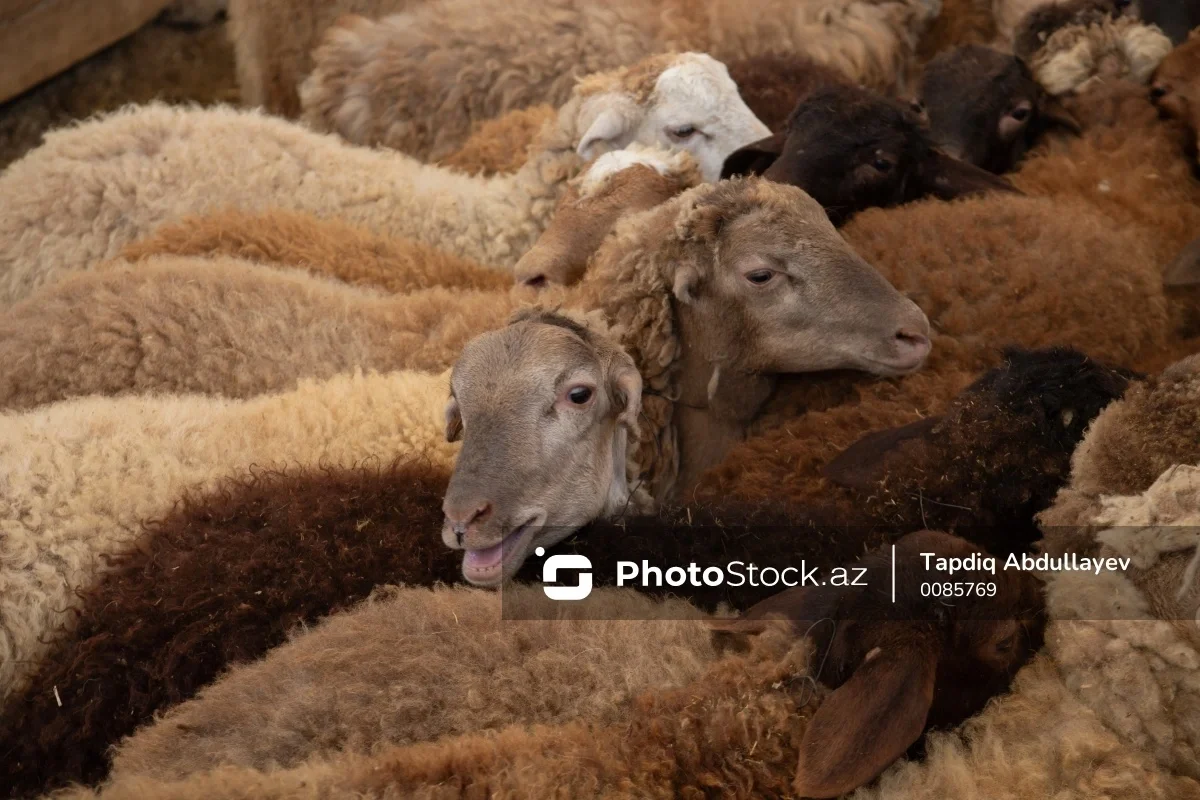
column 580, row 395
column 760, row 277
column 682, row 132
column 1157, row 92
column 1020, row 113
column 882, row 164
column 1005, row 645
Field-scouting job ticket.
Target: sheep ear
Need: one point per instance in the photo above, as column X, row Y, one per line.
column 686, row 278
column 1185, row 269
column 626, row 384
column 1056, row 114
column 948, row 178
column 454, row 426
column 865, row 462
column 868, row 722
column 754, row 159
column 603, row 134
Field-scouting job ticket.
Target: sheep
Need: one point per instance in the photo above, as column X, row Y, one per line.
column 1175, row 90
column 194, row 620
column 874, row 664
column 273, row 42
column 1035, row 27
column 195, row 584
column 80, row 476
column 72, row 202
column 852, row 150
column 323, row 247
column 984, row 107
column 402, row 81
column 616, row 184
column 225, row 327
column 972, row 267
column 1109, row 708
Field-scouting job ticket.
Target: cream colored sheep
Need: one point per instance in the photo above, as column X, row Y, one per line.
column 228, row 327
column 78, row 478
column 363, row 677
column 418, row 81
column 90, row 190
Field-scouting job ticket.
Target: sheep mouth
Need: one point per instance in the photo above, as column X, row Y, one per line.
column 491, row 565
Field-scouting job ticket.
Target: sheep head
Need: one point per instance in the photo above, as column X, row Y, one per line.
column 984, row 107
column 763, row 284
column 544, row 408
column 898, row 668
column 681, row 101
column 1175, row 89
column 613, row 185
column 851, row 150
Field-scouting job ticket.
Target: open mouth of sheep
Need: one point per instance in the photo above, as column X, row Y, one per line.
column 487, row 565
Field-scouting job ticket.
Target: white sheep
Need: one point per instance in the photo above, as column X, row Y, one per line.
column 91, row 189
column 417, row 81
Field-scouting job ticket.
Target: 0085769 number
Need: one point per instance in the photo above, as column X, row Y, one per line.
column 949, row 589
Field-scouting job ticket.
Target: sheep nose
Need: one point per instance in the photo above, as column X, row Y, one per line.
column 912, row 344
column 461, row 522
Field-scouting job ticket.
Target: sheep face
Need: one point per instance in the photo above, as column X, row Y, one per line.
column 899, row 668
column 1175, row 89
column 766, row 285
column 614, row 185
column 544, row 407
column 693, row 105
column 852, row 150
column 985, row 107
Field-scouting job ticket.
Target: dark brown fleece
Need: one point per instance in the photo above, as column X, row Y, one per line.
column 773, row 84
column 984, row 468
column 221, row 580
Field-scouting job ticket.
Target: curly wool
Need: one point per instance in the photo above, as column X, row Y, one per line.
column 1110, row 709
column 323, row 247
column 501, row 146
column 79, row 477
column 218, row 580
column 90, row 190
column 419, row 81
column 499, row 658
column 734, row 731
column 226, row 327
column 1076, row 56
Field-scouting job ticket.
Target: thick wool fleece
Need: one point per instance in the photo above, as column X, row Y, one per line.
column 91, row 189
column 219, row 580
column 273, row 42
column 326, row 247
column 419, row 81
column 78, row 478
column 225, row 327
column 500, row 146
column 1111, row 708
column 733, row 732
column 420, row 664
column 1129, row 445
column 1128, row 165
column 968, row 265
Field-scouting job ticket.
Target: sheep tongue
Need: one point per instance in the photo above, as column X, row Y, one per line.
column 484, row 559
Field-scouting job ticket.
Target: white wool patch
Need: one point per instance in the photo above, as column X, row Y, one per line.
column 1074, row 57
column 659, row 159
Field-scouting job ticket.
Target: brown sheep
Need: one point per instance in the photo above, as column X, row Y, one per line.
column 326, row 247
column 1175, row 89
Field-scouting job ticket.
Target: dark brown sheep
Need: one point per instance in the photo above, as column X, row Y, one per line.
column 221, row 580
column 852, row 149
column 985, row 107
